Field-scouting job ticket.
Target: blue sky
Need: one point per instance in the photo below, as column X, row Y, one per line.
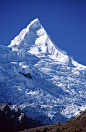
column 64, row 21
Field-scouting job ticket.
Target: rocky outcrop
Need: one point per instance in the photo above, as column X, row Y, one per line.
column 14, row 120
column 5, row 119
column 26, row 75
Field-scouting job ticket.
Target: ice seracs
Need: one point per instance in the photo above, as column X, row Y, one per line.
column 56, row 90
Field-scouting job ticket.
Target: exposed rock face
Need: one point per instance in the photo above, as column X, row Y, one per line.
column 5, row 119
column 26, row 75
column 14, row 120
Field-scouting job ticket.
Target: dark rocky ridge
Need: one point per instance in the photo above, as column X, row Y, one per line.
column 14, row 120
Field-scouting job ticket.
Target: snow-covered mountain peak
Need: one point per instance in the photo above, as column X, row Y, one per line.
column 34, row 25
column 43, row 80
column 35, row 40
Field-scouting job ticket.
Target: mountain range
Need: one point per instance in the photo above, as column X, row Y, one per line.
column 41, row 79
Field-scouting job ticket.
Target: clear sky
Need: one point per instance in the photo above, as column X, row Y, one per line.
column 64, row 21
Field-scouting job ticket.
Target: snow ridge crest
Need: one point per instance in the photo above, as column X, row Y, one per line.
column 16, row 41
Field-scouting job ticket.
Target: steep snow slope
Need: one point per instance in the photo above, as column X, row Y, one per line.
column 57, row 90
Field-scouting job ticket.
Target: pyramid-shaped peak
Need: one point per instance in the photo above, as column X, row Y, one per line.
column 35, row 20
column 34, row 25
column 35, row 40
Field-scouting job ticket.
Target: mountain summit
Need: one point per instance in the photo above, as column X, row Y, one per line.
column 41, row 79
column 35, row 39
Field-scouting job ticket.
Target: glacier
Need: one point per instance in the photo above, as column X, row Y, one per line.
column 56, row 90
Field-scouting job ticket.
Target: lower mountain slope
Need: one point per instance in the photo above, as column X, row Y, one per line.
column 45, row 89
column 77, row 124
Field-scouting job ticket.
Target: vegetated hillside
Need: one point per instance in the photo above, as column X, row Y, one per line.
column 77, row 124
